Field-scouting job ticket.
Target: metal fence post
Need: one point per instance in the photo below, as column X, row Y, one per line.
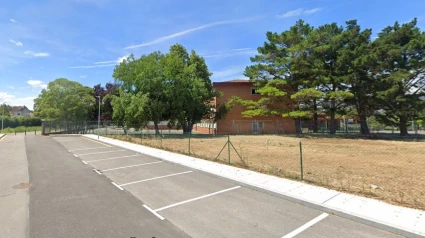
column 301, row 161
column 189, row 144
column 228, row 147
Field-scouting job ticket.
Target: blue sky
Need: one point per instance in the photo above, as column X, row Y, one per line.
column 82, row 40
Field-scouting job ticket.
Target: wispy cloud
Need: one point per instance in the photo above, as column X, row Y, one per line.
column 188, row 31
column 36, row 54
column 101, row 64
column 17, row 43
column 83, row 76
column 228, row 53
column 12, row 20
column 36, row 83
column 92, row 66
column 299, row 12
column 5, row 97
column 235, row 72
column 17, row 101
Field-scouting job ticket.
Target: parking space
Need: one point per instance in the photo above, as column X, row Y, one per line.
column 204, row 205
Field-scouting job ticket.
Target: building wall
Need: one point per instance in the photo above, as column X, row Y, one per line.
column 235, row 123
column 21, row 113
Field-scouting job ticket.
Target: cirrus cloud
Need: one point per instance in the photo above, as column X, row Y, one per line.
column 36, row 54
column 299, row 12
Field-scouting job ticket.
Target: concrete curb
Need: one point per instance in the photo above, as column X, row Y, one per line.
column 2, row 135
column 365, row 210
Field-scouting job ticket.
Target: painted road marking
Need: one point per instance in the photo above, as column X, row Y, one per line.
column 197, row 198
column 3, row 137
column 112, row 158
column 118, row 186
column 160, row 177
column 136, row 165
column 95, row 170
column 90, row 148
column 84, row 162
column 103, row 152
column 76, row 156
column 153, row 212
column 97, row 141
column 306, row 226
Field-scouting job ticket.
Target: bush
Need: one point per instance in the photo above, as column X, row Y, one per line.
column 21, row 121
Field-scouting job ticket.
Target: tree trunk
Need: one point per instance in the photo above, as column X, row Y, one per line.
column 332, row 126
column 403, row 126
column 156, row 128
column 187, row 127
column 364, row 128
column 315, row 117
column 298, row 129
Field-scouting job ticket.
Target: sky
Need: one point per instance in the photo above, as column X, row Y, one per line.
column 83, row 40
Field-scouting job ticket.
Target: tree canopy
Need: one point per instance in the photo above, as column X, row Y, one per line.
column 335, row 70
column 64, row 100
column 173, row 87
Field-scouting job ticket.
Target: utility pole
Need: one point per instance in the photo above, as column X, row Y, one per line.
column 2, row 117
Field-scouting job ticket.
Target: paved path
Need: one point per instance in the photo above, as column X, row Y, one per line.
column 207, row 206
column 13, row 187
column 68, row 200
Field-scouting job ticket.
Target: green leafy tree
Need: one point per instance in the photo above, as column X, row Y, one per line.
column 328, row 42
column 358, row 60
column 175, row 87
column 189, row 88
column 5, row 110
column 144, row 79
column 400, row 51
column 64, row 100
column 281, row 69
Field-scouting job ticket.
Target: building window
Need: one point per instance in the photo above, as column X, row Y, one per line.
column 254, row 91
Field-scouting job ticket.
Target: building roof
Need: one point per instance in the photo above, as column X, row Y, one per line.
column 17, row 108
column 234, row 81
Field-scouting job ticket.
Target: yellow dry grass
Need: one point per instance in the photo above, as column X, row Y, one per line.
column 391, row 171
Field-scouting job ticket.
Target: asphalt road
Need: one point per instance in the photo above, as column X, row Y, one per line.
column 68, row 200
column 83, row 188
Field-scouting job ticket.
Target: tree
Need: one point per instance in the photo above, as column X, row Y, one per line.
column 400, row 51
column 175, row 87
column 329, row 41
column 281, row 69
column 5, row 110
column 106, row 110
column 64, row 100
column 358, row 60
column 144, row 77
column 189, row 88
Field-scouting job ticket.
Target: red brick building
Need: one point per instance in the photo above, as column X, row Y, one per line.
column 234, row 122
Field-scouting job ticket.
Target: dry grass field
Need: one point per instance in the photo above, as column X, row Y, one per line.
column 391, row 171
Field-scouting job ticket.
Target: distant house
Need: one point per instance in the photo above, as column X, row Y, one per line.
column 20, row 111
column 234, row 122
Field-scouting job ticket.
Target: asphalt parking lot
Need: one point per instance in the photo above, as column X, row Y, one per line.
column 203, row 205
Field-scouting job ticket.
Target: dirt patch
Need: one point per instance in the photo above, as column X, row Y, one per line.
column 22, row 186
column 391, row 171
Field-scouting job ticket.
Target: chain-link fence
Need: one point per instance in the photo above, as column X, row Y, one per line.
column 389, row 170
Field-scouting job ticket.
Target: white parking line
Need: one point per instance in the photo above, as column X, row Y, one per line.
column 112, row 158
column 155, row 213
column 306, row 226
column 136, row 165
column 194, row 199
column 84, row 162
column 95, row 170
column 160, row 177
column 103, row 152
column 118, row 186
column 90, row 148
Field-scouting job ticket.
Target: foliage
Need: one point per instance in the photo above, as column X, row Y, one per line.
column 21, row 129
column 400, row 51
column 175, row 87
column 105, row 94
column 64, row 100
column 21, row 121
